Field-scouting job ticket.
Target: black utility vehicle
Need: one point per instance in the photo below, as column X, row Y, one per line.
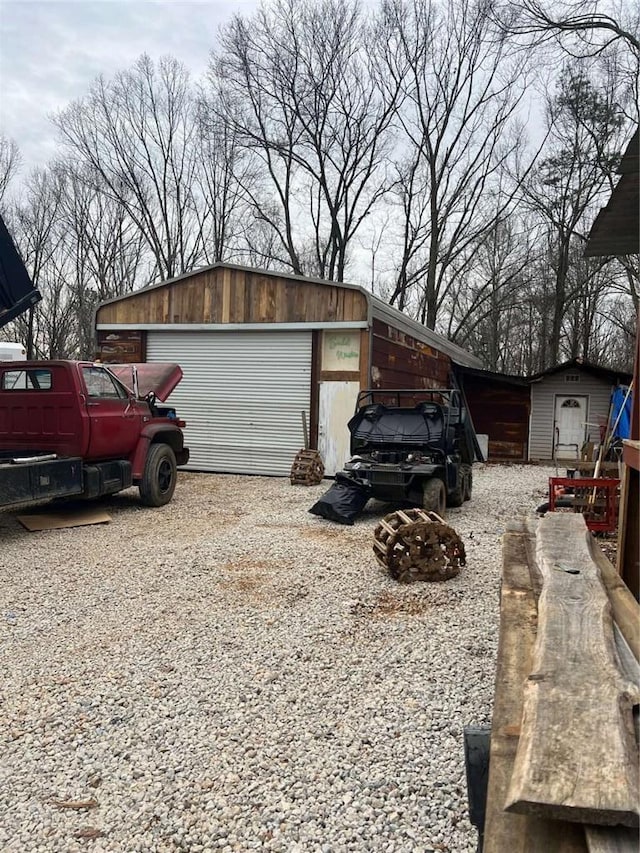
column 414, row 446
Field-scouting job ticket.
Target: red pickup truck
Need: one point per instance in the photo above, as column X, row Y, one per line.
column 74, row 428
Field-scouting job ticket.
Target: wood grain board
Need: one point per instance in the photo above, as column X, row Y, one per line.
column 505, row 831
column 575, row 753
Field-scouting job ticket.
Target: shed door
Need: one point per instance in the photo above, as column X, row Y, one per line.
column 242, row 396
column 336, row 407
column 570, row 425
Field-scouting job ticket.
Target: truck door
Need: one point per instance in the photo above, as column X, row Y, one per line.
column 114, row 417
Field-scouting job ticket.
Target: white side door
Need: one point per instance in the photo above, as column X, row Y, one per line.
column 570, row 426
column 336, row 407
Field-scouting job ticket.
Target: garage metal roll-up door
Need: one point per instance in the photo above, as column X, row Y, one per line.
column 242, row 396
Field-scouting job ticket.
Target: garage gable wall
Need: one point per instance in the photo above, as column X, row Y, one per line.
column 230, row 295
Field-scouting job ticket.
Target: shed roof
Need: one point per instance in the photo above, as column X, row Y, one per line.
column 502, row 378
column 377, row 308
column 604, row 373
column 616, row 230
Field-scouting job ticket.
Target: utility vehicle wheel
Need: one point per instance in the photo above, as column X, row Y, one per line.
column 456, row 496
column 467, row 482
column 434, row 496
column 159, row 477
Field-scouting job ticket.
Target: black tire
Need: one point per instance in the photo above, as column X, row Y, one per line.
column 455, row 497
column 434, row 496
column 159, row 477
column 468, row 482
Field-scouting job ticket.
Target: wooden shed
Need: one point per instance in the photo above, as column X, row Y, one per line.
column 569, row 404
column 499, row 406
column 259, row 348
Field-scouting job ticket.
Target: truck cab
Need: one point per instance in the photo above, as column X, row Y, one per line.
column 84, row 411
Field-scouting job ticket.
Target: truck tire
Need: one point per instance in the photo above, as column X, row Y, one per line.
column 159, row 477
column 467, row 482
column 434, row 496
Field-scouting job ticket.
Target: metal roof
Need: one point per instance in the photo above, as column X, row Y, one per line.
column 377, row 308
column 616, row 230
column 605, row 373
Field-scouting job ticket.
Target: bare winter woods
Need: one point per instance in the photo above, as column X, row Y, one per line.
column 449, row 155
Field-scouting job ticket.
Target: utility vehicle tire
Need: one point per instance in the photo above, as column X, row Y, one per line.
column 467, row 482
column 159, row 477
column 434, row 496
column 456, row 496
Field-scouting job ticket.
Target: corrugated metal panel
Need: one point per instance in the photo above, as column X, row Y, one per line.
column 543, row 394
column 389, row 314
column 242, row 396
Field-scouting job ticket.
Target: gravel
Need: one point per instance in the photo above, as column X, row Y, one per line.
column 231, row 673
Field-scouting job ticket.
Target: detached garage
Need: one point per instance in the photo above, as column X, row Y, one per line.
column 258, row 349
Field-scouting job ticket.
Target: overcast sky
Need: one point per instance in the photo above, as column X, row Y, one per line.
column 51, row 50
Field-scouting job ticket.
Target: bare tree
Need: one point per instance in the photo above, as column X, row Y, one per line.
column 586, row 133
column 486, row 311
column 582, row 27
column 9, row 163
column 104, row 248
column 296, row 83
column 49, row 329
column 135, row 135
column 461, row 94
column 602, row 31
column 224, row 167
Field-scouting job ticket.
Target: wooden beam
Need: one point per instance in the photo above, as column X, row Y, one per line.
column 605, row 839
column 626, row 610
column 576, row 754
column 505, row 831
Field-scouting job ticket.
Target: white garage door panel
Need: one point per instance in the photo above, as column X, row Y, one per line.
column 242, row 396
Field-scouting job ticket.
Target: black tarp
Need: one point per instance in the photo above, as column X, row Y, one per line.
column 345, row 500
column 17, row 293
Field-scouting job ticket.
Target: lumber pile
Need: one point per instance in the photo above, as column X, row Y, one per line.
column 564, row 753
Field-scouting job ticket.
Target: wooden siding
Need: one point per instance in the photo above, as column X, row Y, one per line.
column 543, row 396
column 227, row 295
column 401, row 361
column 500, row 411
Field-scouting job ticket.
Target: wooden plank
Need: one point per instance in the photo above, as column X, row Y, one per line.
column 575, row 758
column 365, row 343
column 605, row 839
column 506, row 831
column 626, row 610
column 226, row 295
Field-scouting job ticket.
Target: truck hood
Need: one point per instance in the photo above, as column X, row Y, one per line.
column 157, row 377
column 17, row 292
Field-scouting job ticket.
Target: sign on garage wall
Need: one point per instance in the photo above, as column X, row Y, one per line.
column 341, row 350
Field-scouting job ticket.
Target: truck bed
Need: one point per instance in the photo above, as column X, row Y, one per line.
column 28, row 479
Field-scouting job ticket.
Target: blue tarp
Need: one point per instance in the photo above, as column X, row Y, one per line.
column 621, row 412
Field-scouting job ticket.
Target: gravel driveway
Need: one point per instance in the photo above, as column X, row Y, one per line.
column 230, row 672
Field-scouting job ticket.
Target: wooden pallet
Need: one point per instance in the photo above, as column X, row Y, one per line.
column 307, row 468
column 414, row 544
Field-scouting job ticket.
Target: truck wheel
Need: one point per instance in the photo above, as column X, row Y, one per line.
column 159, row 477
column 468, row 482
column 434, row 496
